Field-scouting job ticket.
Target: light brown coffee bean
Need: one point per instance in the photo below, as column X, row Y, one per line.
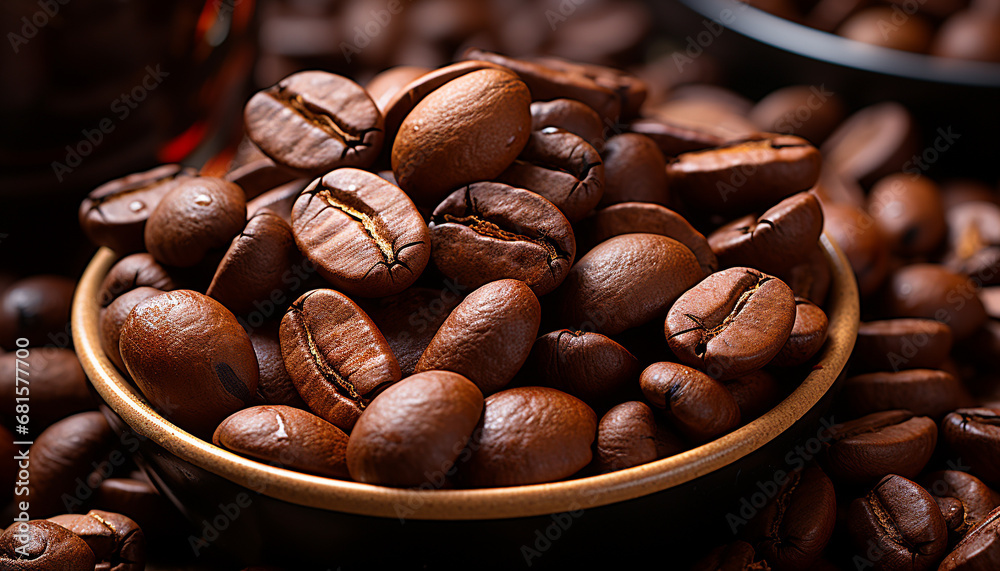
column 697, row 405
column 626, row 437
column 113, row 317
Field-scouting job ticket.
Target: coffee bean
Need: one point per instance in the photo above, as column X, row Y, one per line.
column 561, row 167
column 631, row 90
column 755, row 393
column 697, row 405
column 258, row 177
column 489, row 231
column 973, row 435
column 807, row 336
column 137, row 499
column 113, row 317
column 416, row 431
column 975, row 500
column 313, row 122
column 909, row 212
column 115, row 540
column 278, row 200
column 36, row 309
column 733, row 322
column 903, row 521
column 634, row 170
column 675, row 138
column 810, row 278
column 806, row 111
column 530, row 435
column 863, row 244
column 335, row 355
column 969, row 35
column 872, row 143
column 487, row 337
column 974, row 240
column 135, row 271
column 569, row 115
column 287, row 437
column 626, row 437
column 864, row 450
column 912, row 34
column 48, row 546
column 275, row 385
column 921, row 391
column 114, row 214
column 470, row 129
column 979, row 550
column 626, row 281
column 930, row 291
column 195, row 216
column 896, row 344
column 205, row 372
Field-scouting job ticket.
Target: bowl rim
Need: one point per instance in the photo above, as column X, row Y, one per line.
column 813, row 43
column 426, row 503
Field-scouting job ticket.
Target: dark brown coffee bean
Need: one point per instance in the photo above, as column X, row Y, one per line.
column 912, row 34
column 530, row 435
column 626, row 437
column 930, row 291
column 974, row 240
column 921, row 391
column 807, row 336
column 114, row 214
column 138, row 499
column 278, row 200
column 313, row 122
column 589, row 366
column 335, row 355
column 969, row 35
column 197, row 215
column 979, row 550
column 793, row 529
column 569, row 115
column 561, row 167
column 648, row 218
column 634, row 171
column 135, row 271
column 387, row 83
column 36, row 309
column 865, row 450
column 64, row 453
column 631, row 90
column 904, row 523
column 732, row 323
column 470, row 129
column 742, row 177
column 975, row 500
column 697, row 405
column 954, row 517
column 363, row 234
column 736, row 556
column 489, row 231
column 675, row 138
column 626, row 281
column 863, row 244
column 488, row 337
column 872, row 143
column 115, row 540
column 286, row 437
column 113, row 317
column 973, row 434
column 896, row 344
column 755, row 393
column 908, row 211
column 259, row 176
column 775, row 241
column 275, row 385
column 807, row 111
column 205, row 372
column 49, row 546
column 811, row 278
column 415, row 430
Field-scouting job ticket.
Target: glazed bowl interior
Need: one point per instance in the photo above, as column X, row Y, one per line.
column 478, row 504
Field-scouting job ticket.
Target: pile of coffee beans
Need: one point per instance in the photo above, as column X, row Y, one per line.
column 74, row 542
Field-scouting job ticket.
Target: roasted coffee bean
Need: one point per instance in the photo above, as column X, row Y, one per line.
column 410, row 320
column 807, row 111
column 49, row 546
column 114, row 214
column 953, row 513
column 313, row 122
column 113, row 317
column 197, row 215
column 278, row 200
column 811, row 278
column 909, row 212
column 561, row 167
column 903, row 521
column 775, row 241
column 362, row 233
column 872, row 143
column 922, row 391
column 116, row 541
column 807, row 336
column 974, row 240
column 259, row 176
column 568, row 115
column 58, row 385
column 275, row 385
column 912, row 34
column 863, row 244
column 732, row 323
column 587, row 365
column 191, row 358
column 975, row 500
column 487, row 337
column 626, row 437
column 631, row 90
column 530, row 435
column 755, row 393
column 287, row 437
column 415, row 430
column 864, row 450
column 490, row 231
column 387, row 83
column 697, row 405
column 742, row 177
column 138, row 500
column 63, row 454
column 969, row 35
column 896, row 344
column 336, row 356
column 709, row 108
column 36, row 309
column 675, row 138
column 932, row 292
column 135, row 271
column 626, row 281
column 648, row 218
column 793, row 529
column 736, row 556
column 468, row 130
column 979, row 550
column 973, row 434
column 634, row 171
